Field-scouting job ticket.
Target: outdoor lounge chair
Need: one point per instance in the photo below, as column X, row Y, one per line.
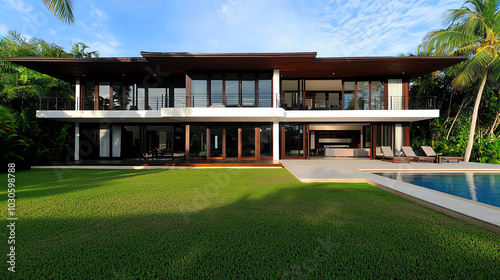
column 429, row 151
column 387, row 151
column 408, row 151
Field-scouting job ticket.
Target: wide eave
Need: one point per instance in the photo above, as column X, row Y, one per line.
column 291, row 65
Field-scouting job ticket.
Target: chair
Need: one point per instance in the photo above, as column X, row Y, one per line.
column 408, row 152
column 378, row 153
column 429, row 151
column 387, row 151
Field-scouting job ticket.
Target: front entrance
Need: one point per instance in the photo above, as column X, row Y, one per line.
column 217, row 142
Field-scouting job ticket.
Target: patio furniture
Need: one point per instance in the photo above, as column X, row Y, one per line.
column 429, row 151
column 408, row 152
column 387, row 151
column 378, row 153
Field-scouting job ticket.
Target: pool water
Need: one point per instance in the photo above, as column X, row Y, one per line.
column 478, row 187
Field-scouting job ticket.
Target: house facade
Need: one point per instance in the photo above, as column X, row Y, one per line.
column 237, row 105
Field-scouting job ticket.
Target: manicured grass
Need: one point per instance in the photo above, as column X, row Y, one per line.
column 232, row 223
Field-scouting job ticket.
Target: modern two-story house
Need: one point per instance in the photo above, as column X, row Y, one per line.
column 237, row 105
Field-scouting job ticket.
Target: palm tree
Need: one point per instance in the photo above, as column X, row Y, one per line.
column 473, row 31
column 63, row 9
column 80, row 50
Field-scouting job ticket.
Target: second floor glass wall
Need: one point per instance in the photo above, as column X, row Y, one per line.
column 332, row 95
column 231, row 89
column 125, row 95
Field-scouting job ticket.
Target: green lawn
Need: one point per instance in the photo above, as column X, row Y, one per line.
column 231, row 223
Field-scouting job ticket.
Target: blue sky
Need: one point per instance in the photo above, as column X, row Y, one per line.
column 331, row 28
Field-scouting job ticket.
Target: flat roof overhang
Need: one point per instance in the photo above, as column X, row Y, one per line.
column 207, row 115
column 291, row 65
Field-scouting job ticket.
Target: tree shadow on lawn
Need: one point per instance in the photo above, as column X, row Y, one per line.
column 315, row 231
column 43, row 182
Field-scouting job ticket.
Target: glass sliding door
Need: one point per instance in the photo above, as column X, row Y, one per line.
column 294, row 140
column 231, row 141
column 159, row 141
column 131, row 141
column 198, row 141
column 248, row 141
column 266, row 140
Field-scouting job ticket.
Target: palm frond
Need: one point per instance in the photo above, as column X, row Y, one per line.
column 62, row 9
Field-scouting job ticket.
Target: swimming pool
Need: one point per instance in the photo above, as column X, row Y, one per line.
column 478, row 187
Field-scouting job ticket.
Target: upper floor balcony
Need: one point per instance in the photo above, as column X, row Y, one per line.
column 324, row 101
column 317, row 102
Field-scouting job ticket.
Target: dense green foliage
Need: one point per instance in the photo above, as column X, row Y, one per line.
column 24, row 139
column 473, row 31
column 233, row 223
column 449, row 133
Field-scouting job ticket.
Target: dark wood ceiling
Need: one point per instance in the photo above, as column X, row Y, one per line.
column 291, row 65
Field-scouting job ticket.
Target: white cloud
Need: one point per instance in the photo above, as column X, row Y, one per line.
column 19, row 6
column 100, row 14
column 4, row 29
column 332, row 28
column 107, row 45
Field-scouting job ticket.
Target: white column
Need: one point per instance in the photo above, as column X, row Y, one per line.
column 77, row 94
column 398, row 138
column 77, row 141
column 276, row 140
column 276, row 88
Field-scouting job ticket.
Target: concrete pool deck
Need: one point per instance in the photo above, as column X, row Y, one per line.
column 360, row 170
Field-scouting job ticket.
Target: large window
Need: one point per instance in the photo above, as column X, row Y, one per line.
column 378, row 93
column 363, row 90
column 216, row 90
column 265, row 90
column 157, row 98
column 104, row 93
column 290, row 97
column 349, row 91
column 248, row 90
column 367, row 94
column 89, row 96
column 199, row 88
column 231, row 89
